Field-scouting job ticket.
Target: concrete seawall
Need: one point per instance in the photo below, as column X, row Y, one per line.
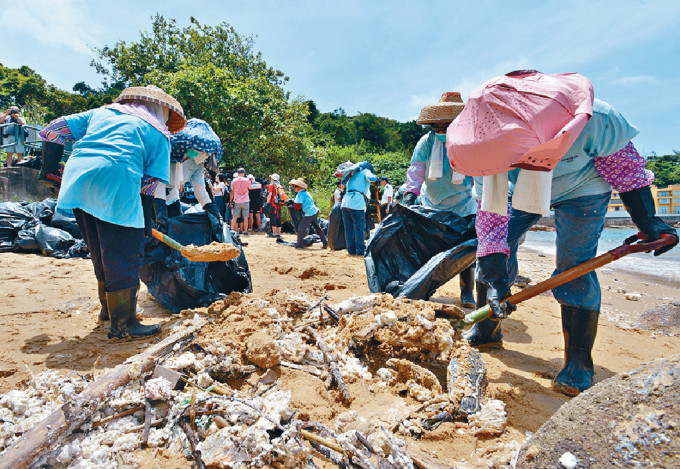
column 19, row 184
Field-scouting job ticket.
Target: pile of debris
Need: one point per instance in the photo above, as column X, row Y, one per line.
column 274, row 381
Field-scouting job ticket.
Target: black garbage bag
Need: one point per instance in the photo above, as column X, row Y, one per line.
column 43, row 211
column 14, row 217
column 67, row 224
column 295, row 217
column 336, row 229
column 178, row 283
column 417, row 249
column 287, row 227
column 323, row 223
column 307, row 241
column 26, row 241
column 265, row 224
column 53, row 241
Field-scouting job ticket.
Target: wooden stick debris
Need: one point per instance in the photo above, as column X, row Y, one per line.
column 193, row 442
column 322, row 441
column 330, row 358
column 49, row 433
column 332, row 313
column 307, row 368
column 119, row 415
column 147, row 421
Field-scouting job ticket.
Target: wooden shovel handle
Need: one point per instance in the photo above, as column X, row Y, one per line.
column 630, row 246
column 166, row 239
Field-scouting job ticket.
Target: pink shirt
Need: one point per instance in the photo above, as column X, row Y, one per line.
column 240, row 187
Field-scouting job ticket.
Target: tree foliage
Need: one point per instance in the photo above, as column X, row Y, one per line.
column 666, row 169
column 167, row 48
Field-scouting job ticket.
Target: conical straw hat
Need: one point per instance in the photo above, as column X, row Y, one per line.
column 155, row 95
column 447, row 109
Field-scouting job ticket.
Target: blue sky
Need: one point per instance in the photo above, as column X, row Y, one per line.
column 392, row 57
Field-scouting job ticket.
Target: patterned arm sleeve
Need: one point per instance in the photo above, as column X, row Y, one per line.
column 57, row 132
column 415, row 177
column 149, row 185
column 492, row 233
column 625, row 169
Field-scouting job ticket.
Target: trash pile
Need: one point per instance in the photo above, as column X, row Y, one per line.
column 280, row 380
column 36, row 227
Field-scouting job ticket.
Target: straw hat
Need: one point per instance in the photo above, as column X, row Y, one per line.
column 298, row 182
column 275, row 177
column 155, row 95
column 447, row 109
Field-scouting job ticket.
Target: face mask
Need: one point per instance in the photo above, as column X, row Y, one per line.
column 441, row 137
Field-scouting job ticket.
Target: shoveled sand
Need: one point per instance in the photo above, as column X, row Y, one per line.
column 48, row 310
column 211, row 252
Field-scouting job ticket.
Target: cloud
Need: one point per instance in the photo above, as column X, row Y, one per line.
column 52, row 22
column 636, row 80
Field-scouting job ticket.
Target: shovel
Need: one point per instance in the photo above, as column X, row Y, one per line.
column 629, row 246
column 208, row 253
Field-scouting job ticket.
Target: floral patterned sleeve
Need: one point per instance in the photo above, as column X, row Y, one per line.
column 149, row 185
column 56, row 132
column 415, row 177
column 625, row 169
column 492, row 232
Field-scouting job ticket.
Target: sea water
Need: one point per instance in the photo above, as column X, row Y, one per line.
column 666, row 266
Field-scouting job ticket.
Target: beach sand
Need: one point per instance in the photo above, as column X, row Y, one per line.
column 48, row 311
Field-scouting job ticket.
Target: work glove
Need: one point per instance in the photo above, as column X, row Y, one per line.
column 493, row 271
column 409, row 199
column 147, row 207
column 639, row 203
column 161, row 210
column 215, row 220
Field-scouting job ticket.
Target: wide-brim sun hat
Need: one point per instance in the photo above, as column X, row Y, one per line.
column 298, row 182
column 450, row 105
column 275, row 177
column 155, row 95
column 521, row 120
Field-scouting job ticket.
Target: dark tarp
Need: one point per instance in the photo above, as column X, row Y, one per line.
column 178, row 283
column 417, row 249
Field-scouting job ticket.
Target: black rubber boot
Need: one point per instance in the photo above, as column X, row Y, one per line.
column 467, row 281
column 580, row 328
column 104, row 313
column 486, row 333
column 51, row 156
column 122, row 306
column 174, row 209
column 161, row 212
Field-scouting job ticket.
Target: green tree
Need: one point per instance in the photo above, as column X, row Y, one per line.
column 169, row 49
column 666, row 168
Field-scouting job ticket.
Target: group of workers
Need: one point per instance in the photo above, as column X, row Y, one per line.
column 525, row 143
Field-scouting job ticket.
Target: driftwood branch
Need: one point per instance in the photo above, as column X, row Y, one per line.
column 119, row 415
column 48, row 434
column 193, row 442
column 147, row 421
column 330, row 358
column 309, row 369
